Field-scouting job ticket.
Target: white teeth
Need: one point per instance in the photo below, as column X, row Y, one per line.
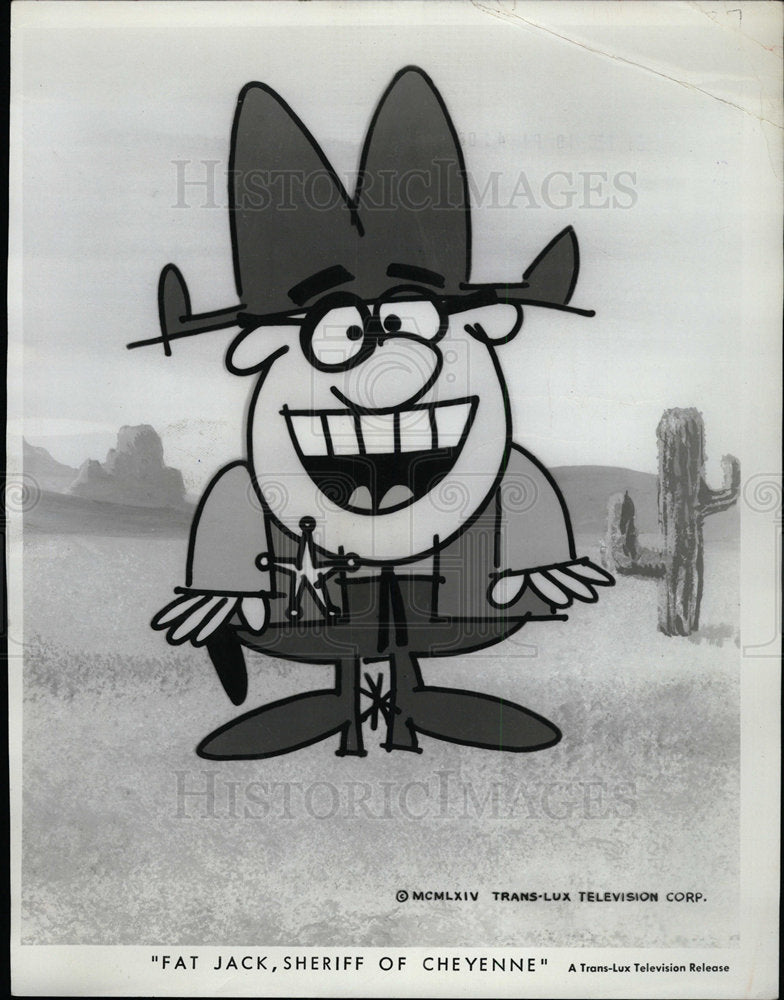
column 395, row 496
column 451, row 422
column 310, row 435
column 416, row 434
column 378, row 433
column 361, row 499
column 342, row 434
column 439, row 425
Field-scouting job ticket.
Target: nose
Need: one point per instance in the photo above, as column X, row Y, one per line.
column 399, row 371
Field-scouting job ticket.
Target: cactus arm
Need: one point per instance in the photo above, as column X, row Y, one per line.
column 623, row 552
column 713, row 501
column 649, row 564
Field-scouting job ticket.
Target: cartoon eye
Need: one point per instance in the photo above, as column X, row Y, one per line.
column 415, row 316
column 337, row 339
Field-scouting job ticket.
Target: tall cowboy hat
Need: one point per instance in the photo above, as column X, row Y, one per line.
column 295, row 231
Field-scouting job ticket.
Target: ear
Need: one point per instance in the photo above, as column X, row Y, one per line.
column 496, row 323
column 253, row 351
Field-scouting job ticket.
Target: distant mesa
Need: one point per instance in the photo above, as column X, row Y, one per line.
column 133, row 473
column 47, row 471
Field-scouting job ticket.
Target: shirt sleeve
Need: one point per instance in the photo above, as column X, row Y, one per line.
column 227, row 536
column 535, row 529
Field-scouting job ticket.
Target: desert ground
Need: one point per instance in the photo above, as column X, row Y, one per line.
column 641, row 795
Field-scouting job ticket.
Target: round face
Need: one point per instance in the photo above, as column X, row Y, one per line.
column 387, row 423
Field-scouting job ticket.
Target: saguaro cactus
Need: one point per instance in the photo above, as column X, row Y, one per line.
column 685, row 500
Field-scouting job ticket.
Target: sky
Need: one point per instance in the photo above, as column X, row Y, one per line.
column 646, row 134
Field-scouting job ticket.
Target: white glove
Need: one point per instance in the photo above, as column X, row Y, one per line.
column 194, row 616
column 557, row 585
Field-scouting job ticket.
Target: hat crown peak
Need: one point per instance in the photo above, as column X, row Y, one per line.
column 291, row 217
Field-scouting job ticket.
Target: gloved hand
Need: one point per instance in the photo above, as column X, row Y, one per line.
column 558, row 585
column 195, row 615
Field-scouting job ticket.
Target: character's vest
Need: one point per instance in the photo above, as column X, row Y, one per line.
column 437, row 606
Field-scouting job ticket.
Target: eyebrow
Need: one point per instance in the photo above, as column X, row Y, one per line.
column 416, row 274
column 319, row 282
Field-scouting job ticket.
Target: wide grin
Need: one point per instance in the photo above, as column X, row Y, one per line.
column 377, row 463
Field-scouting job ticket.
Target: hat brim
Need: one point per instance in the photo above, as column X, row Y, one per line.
column 178, row 321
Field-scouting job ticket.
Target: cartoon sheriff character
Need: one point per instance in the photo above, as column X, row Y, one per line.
column 383, row 511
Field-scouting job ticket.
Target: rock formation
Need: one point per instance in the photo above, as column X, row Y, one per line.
column 48, row 473
column 133, row 473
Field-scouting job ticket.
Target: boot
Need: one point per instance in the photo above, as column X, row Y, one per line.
column 456, row 716
column 293, row 723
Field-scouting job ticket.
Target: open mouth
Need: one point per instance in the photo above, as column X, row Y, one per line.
column 377, row 463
